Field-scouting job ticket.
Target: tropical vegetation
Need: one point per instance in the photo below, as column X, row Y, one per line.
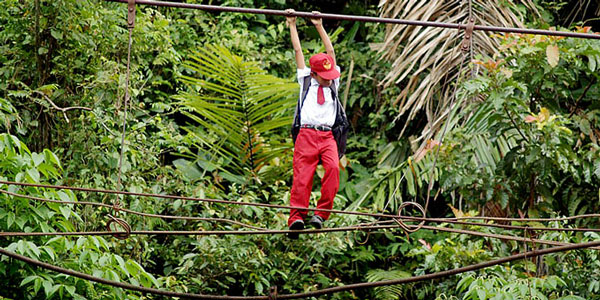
column 510, row 128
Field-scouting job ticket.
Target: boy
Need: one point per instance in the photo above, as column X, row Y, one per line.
column 319, row 130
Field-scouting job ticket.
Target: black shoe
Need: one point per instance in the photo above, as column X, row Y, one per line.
column 296, row 225
column 316, row 222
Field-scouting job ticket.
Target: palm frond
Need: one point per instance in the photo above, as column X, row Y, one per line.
column 391, row 291
column 238, row 107
column 425, row 59
column 410, row 176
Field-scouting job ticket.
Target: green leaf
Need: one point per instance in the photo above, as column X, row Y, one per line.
column 10, row 219
column 33, row 249
column 592, row 62
column 65, row 211
column 37, row 158
column 70, row 290
column 51, row 157
column 133, row 267
column 481, row 294
column 34, row 175
column 56, row 34
column 238, row 106
column 28, row 279
column 188, row 169
column 37, row 284
column 49, row 288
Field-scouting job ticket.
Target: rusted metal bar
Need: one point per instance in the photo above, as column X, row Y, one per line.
column 131, row 13
column 467, row 41
column 215, row 8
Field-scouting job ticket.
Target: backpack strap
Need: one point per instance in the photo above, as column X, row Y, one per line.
column 305, row 87
column 302, row 96
column 332, row 88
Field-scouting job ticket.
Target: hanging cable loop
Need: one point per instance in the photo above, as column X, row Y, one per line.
column 121, row 223
column 412, row 228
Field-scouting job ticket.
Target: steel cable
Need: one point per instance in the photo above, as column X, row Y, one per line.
column 224, row 220
column 366, row 228
column 129, row 211
column 305, row 294
column 215, row 8
column 336, row 211
column 117, row 203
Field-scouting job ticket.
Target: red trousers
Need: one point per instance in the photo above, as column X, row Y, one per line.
column 311, row 146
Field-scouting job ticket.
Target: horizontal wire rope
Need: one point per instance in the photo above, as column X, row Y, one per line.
column 361, row 227
column 325, row 291
column 336, row 211
column 215, row 8
column 368, row 229
column 503, row 226
column 195, row 199
column 224, row 220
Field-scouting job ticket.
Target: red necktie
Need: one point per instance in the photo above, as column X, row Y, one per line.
column 320, row 96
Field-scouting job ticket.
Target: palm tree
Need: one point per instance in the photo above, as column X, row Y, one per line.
column 425, row 59
column 238, row 107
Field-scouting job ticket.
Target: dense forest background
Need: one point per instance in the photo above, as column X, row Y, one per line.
column 212, row 98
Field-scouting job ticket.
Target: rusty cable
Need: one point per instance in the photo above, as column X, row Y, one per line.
column 337, row 211
column 400, row 219
column 215, row 8
column 271, row 232
column 224, row 220
column 123, row 235
column 361, row 227
column 199, row 233
column 306, row 294
column 129, row 211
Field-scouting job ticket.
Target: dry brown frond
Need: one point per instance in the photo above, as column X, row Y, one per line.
column 425, row 59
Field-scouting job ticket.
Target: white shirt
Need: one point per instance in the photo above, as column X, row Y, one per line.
column 313, row 113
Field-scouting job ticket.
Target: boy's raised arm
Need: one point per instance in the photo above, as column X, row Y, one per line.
column 291, row 22
column 318, row 22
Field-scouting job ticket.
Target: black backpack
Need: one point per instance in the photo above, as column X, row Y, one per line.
column 340, row 126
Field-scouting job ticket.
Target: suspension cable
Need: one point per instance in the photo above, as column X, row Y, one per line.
column 361, row 227
column 129, row 211
column 306, row 294
column 364, row 226
column 215, row 8
column 336, row 211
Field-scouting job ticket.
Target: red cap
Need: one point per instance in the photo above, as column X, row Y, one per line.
column 324, row 66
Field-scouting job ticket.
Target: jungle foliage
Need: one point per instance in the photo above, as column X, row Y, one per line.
column 212, row 101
